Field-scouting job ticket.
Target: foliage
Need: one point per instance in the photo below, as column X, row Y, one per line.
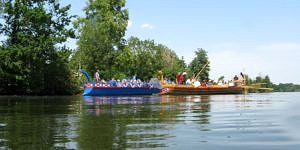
column 287, row 87
column 34, row 59
column 198, row 63
column 143, row 58
column 125, row 61
column 221, row 78
column 148, row 58
column 101, row 35
column 265, row 82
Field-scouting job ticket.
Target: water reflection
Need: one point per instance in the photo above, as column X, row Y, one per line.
column 138, row 122
column 37, row 122
column 161, row 122
column 97, row 105
column 121, row 122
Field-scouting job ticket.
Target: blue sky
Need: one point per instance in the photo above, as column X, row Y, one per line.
column 257, row 37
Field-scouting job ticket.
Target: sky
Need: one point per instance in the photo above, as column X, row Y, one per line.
column 256, row 37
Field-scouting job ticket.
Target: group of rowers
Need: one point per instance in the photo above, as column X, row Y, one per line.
column 180, row 79
column 130, row 83
column 183, row 80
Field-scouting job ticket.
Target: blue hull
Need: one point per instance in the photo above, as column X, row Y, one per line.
column 102, row 91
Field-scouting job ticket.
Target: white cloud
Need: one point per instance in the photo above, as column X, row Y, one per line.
column 279, row 61
column 129, row 24
column 282, row 47
column 147, row 26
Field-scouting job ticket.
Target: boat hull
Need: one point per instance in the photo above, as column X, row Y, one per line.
column 182, row 90
column 103, row 91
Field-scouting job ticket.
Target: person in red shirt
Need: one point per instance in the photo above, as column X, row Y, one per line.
column 181, row 78
column 178, row 78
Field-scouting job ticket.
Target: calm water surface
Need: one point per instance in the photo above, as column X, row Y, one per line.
column 249, row 122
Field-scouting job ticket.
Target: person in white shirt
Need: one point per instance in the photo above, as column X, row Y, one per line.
column 97, row 76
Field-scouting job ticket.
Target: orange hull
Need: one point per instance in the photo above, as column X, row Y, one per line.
column 191, row 90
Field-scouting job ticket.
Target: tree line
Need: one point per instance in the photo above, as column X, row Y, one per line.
column 265, row 82
column 35, row 59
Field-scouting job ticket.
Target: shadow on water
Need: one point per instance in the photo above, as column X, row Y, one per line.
column 97, row 105
column 97, row 122
column 120, row 122
column 250, row 122
column 139, row 121
column 37, row 122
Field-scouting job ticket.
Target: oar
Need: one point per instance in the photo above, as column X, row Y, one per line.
column 201, row 70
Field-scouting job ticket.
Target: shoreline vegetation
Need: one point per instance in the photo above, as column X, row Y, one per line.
column 36, row 61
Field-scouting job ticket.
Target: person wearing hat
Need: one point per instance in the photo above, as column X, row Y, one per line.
column 119, row 83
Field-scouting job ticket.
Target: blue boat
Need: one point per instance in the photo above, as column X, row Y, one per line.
column 92, row 88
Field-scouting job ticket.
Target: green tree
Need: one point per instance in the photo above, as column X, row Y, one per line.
column 249, row 81
column 267, row 81
column 124, row 62
column 259, row 79
column 200, row 62
column 221, row 78
column 34, row 58
column 287, row 87
column 150, row 57
column 101, row 34
column 172, row 64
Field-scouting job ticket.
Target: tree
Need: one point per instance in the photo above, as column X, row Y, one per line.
column 267, row 82
column 221, row 78
column 34, row 58
column 101, row 34
column 150, row 57
column 200, row 62
column 172, row 64
column 287, row 87
column 124, row 62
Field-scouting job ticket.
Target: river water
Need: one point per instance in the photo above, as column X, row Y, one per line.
column 266, row 121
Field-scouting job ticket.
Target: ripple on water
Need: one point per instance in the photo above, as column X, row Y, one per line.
column 231, row 122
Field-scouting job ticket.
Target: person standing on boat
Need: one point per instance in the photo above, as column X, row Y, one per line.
column 97, row 76
column 242, row 78
column 178, row 78
column 181, row 78
column 134, row 77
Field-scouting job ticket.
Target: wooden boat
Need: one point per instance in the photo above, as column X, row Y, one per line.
column 92, row 88
column 174, row 89
column 198, row 88
column 235, row 87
